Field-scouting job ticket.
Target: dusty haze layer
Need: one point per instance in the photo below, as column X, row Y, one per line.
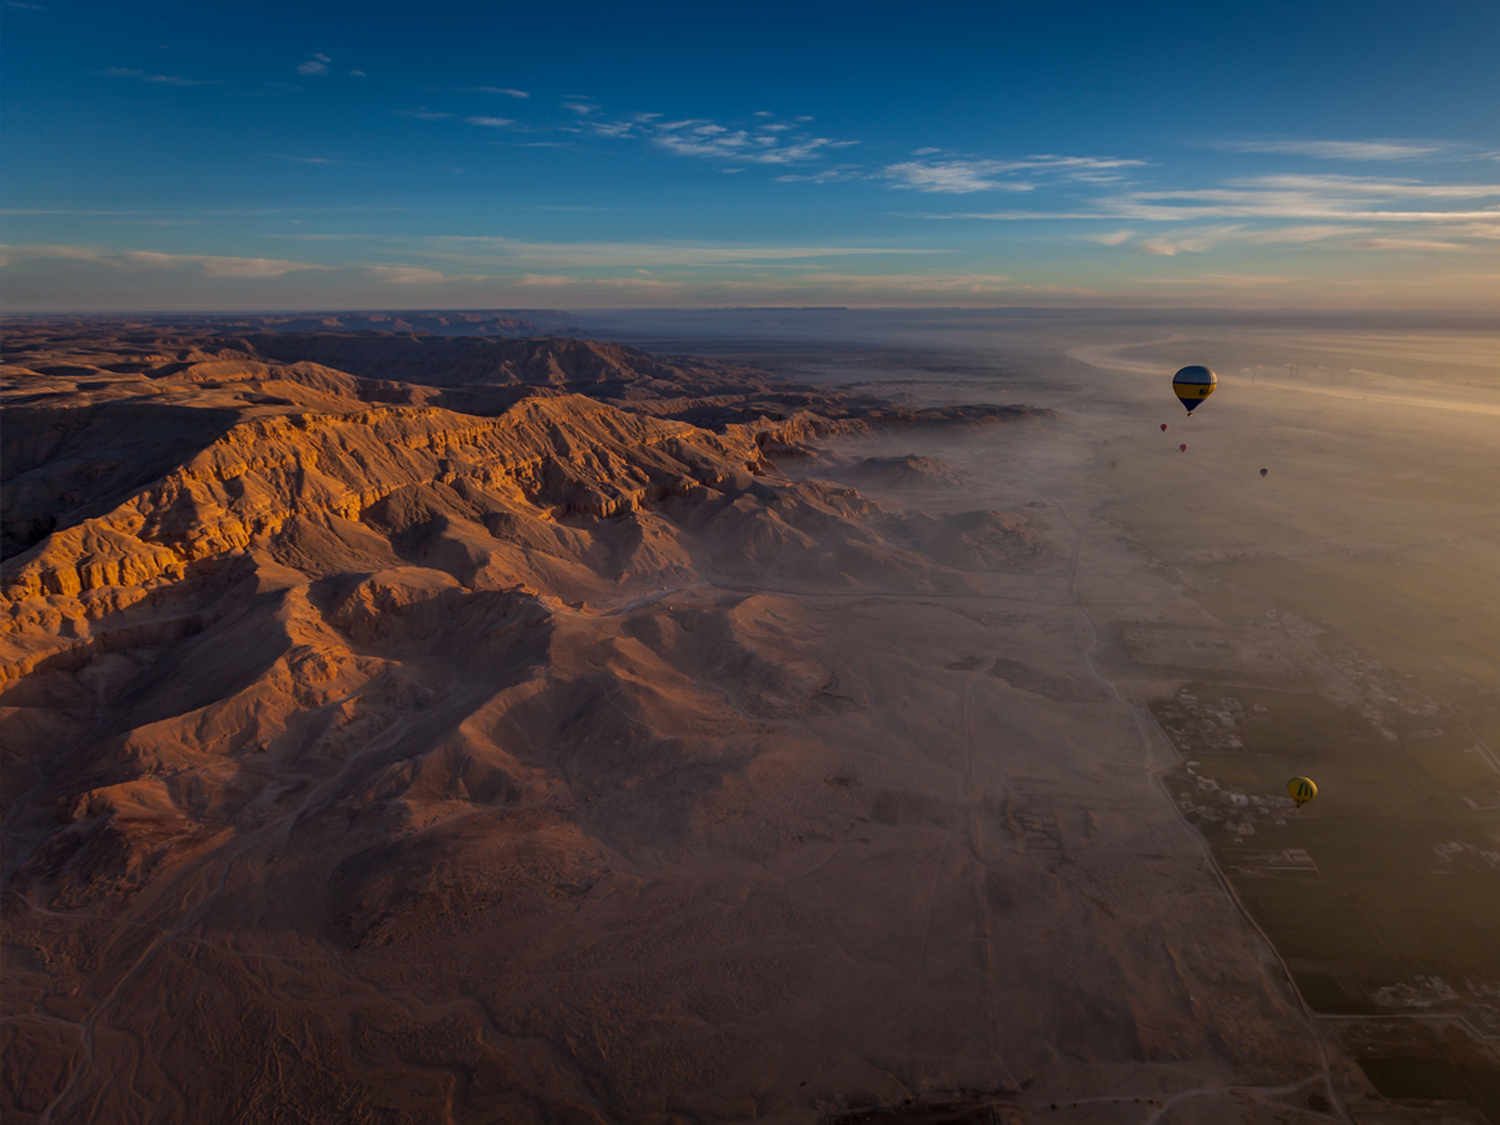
column 406, row 729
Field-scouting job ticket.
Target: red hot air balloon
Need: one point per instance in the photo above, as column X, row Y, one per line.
column 1183, row 448
column 1164, row 427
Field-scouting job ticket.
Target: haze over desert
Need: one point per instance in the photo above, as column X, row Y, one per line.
column 505, row 745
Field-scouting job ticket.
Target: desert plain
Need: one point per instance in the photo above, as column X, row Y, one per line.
column 808, row 718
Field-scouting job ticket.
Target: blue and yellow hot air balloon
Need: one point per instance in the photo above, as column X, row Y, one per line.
column 1301, row 790
column 1194, row 384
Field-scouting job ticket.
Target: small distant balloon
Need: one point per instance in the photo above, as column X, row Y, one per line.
column 1194, row 384
column 1302, row 790
column 1263, row 472
column 1183, row 447
column 1163, row 427
column 1114, row 464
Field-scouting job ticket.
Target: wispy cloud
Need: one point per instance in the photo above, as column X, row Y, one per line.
column 914, row 283
column 1202, row 239
column 204, row 265
column 1225, row 280
column 836, row 173
column 404, row 275
column 499, row 90
column 763, row 144
column 318, row 64
column 879, row 287
column 1369, row 186
column 489, row 252
column 213, row 266
column 953, row 177
column 67, row 211
column 1326, row 201
column 25, row 7
column 423, row 114
column 159, row 79
column 612, row 128
column 1407, row 244
column 1339, row 150
column 1351, row 198
column 965, row 175
column 490, row 122
column 766, row 142
column 1340, row 211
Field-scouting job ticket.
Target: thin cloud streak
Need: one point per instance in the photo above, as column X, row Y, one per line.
column 964, row 176
column 1209, row 238
column 158, row 79
column 1369, row 186
column 404, row 275
column 1339, row 150
column 1339, row 212
column 1407, row 244
column 604, row 255
column 762, row 145
column 1315, row 199
column 207, row 265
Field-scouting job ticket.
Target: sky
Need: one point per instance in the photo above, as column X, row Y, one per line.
column 298, row 156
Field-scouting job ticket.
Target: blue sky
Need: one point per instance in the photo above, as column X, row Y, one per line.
column 296, row 156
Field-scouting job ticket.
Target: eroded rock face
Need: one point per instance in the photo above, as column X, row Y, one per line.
column 368, row 758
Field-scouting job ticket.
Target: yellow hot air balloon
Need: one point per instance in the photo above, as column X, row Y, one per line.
column 1194, row 384
column 1302, row 790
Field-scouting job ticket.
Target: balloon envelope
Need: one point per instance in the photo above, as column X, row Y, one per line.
column 1302, row 790
column 1183, row 448
column 1163, row 426
column 1263, row 472
column 1194, row 384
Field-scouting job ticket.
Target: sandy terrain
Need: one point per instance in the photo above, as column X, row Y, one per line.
column 395, row 733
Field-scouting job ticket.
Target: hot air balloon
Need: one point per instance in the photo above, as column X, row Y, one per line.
column 1302, row 790
column 1163, row 427
column 1263, row 472
column 1183, row 447
column 1194, row 384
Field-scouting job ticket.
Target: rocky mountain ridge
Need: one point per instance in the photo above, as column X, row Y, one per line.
column 307, row 662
